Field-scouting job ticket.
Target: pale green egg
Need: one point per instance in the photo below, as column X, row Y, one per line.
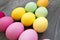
column 31, row 7
column 41, row 12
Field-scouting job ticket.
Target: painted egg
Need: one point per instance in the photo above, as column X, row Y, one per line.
column 28, row 19
column 31, row 7
column 42, row 3
column 41, row 12
column 29, row 34
column 5, row 22
column 40, row 24
column 2, row 14
column 14, row 30
column 17, row 13
column 46, row 39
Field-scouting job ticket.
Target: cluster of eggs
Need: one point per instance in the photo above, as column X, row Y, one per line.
column 32, row 15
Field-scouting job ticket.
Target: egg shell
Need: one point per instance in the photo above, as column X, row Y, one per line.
column 14, row 30
column 41, row 12
column 31, row 7
column 28, row 19
column 5, row 22
column 2, row 14
column 29, row 34
column 40, row 25
column 43, row 3
column 46, row 39
column 17, row 13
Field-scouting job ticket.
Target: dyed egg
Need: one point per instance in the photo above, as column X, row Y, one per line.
column 46, row 39
column 31, row 7
column 40, row 24
column 41, row 12
column 17, row 13
column 14, row 30
column 2, row 14
column 28, row 19
column 29, row 34
column 42, row 3
column 5, row 22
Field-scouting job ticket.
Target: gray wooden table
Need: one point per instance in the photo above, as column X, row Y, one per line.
column 53, row 31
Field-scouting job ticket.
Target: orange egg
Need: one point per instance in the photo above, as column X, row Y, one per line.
column 42, row 3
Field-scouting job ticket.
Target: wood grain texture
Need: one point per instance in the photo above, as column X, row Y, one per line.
column 53, row 31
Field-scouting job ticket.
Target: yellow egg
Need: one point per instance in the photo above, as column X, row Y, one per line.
column 40, row 24
column 28, row 19
column 42, row 3
column 17, row 13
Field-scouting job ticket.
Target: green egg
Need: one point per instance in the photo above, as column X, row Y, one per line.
column 31, row 7
column 41, row 12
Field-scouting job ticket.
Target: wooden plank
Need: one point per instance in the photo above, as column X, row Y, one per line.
column 57, row 32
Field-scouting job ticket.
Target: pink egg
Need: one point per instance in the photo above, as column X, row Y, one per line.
column 2, row 14
column 29, row 34
column 14, row 30
column 5, row 22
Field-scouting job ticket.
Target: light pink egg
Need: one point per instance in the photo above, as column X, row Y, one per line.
column 14, row 30
column 29, row 34
column 5, row 22
column 46, row 39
